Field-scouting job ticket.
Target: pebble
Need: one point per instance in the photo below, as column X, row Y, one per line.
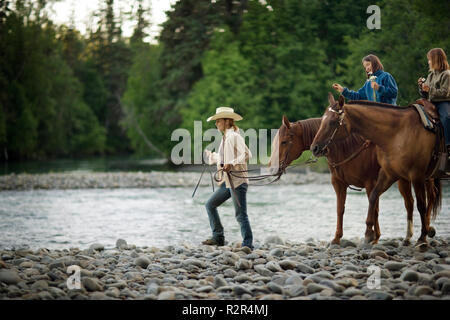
column 142, row 262
column 9, row 276
column 275, row 270
column 394, row 266
column 121, row 244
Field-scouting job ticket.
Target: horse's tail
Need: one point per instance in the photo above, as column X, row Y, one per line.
column 434, row 197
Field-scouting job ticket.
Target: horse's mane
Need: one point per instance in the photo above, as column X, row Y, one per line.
column 310, row 128
column 376, row 104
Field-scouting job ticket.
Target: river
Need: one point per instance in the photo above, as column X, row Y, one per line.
column 58, row 219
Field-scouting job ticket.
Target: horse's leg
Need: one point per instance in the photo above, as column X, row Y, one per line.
column 431, row 196
column 369, row 187
column 404, row 187
column 419, row 189
column 341, row 195
column 384, row 181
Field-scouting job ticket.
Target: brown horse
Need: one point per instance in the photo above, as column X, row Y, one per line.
column 404, row 151
column 352, row 161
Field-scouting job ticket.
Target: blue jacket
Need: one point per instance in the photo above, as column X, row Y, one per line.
column 387, row 92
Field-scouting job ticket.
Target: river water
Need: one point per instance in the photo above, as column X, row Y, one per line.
column 58, row 219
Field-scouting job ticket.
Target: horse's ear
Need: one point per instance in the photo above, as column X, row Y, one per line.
column 286, row 122
column 331, row 98
column 341, row 101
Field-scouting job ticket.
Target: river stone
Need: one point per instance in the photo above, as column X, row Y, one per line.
column 277, row 252
column 315, row 288
column 242, row 278
column 273, row 240
column 423, row 290
column 293, row 280
column 275, row 287
column 240, row 290
column 409, row 275
column 40, row 285
column 263, row 271
column 230, row 273
column 441, row 267
column 304, row 268
column 121, row 244
column 273, row 266
column 378, row 253
column 91, row 284
column 347, row 243
column 379, row 295
column 287, row 264
column 324, row 274
column 350, row 292
column 440, row 274
column 194, row 262
column 167, row 295
column 445, row 288
column 9, row 277
column 142, row 262
column 219, row 281
column 297, row 290
column 331, row 284
column 97, row 247
column 394, row 265
column 243, row 264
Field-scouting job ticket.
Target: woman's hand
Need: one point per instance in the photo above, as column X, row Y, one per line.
column 338, row 87
column 374, row 85
column 207, row 153
column 420, row 81
column 425, row 88
column 227, row 167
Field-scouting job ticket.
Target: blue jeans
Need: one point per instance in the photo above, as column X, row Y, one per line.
column 221, row 195
column 443, row 108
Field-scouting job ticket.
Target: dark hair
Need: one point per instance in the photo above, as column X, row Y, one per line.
column 375, row 61
column 231, row 122
column 438, row 59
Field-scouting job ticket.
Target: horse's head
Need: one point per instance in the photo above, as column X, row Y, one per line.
column 286, row 146
column 333, row 127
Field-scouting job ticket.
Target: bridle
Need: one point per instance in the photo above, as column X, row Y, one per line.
column 341, row 115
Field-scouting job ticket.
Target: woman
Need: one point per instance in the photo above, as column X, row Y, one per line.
column 233, row 156
column 380, row 86
column 436, row 88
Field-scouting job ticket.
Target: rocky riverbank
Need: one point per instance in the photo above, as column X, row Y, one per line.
column 274, row 270
column 154, row 179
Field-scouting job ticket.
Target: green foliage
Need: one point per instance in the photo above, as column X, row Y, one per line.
column 62, row 93
column 409, row 29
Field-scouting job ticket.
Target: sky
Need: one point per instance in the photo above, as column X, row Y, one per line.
column 81, row 9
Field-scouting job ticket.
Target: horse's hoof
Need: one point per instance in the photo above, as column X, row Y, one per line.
column 406, row 242
column 370, row 236
column 373, row 242
column 422, row 245
column 431, row 232
column 336, row 241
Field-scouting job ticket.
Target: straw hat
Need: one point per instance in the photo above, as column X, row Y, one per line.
column 225, row 112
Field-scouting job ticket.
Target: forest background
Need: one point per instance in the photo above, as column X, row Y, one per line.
column 67, row 94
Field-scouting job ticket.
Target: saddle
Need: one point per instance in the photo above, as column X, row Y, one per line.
column 427, row 111
column 440, row 164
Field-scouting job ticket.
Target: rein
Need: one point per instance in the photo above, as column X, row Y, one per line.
column 365, row 145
